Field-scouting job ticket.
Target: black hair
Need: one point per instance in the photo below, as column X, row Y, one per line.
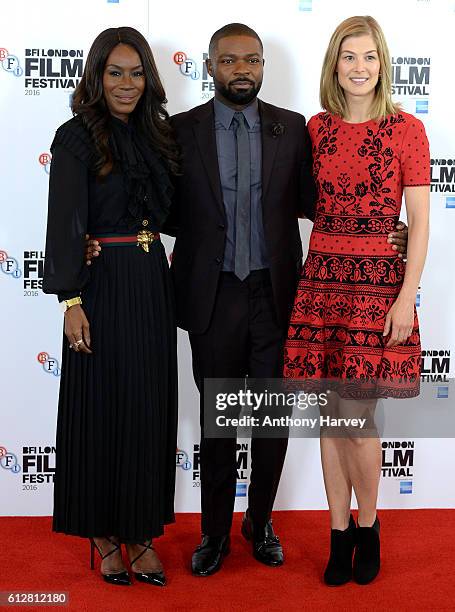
column 150, row 113
column 232, row 29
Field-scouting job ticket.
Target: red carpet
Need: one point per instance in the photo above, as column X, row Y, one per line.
column 418, row 571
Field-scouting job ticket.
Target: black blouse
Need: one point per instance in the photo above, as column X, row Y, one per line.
column 81, row 203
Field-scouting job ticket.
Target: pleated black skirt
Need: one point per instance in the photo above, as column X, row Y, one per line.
column 117, row 415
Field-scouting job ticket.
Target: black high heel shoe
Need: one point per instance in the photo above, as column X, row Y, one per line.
column 154, row 578
column 367, row 557
column 339, row 567
column 120, row 578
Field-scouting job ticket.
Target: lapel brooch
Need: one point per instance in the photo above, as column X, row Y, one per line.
column 277, row 129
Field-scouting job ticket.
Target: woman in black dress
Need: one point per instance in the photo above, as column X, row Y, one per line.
column 117, row 416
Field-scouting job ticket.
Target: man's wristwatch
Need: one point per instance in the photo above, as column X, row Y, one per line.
column 68, row 303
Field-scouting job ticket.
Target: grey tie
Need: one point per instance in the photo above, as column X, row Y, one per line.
column 243, row 204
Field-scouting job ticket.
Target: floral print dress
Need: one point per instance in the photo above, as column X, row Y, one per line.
column 352, row 276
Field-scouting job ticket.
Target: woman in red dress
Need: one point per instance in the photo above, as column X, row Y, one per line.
column 354, row 318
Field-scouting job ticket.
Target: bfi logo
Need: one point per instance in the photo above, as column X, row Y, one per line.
column 9, row 265
column 182, row 460
column 45, row 161
column 8, row 461
column 10, row 63
column 188, row 66
column 50, row 364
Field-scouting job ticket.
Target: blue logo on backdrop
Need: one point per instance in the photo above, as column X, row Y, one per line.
column 306, row 5
column 422, row 106
column 182, row 460
column 240, row 489
column 50, row 364
column 10, row 63
column 406, row 487
column 8, row 461
column 450, row 202
column 443, row 393
column 9, row 265
column 188, row 67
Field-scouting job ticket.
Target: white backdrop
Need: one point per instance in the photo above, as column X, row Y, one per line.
column 36, row 80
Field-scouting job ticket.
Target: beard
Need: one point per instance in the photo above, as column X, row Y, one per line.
column 238, row 97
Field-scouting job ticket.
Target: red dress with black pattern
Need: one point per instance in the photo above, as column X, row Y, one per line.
column 351, row 276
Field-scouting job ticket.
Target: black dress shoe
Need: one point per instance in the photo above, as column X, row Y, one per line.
column 266, row 545
column 339, row 567
column 367, row 559
column 208, row 556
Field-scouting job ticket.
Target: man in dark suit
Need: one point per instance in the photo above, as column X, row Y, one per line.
column 246, row 180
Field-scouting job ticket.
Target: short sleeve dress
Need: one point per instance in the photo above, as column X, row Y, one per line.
column 351, row 276
column 117, row 412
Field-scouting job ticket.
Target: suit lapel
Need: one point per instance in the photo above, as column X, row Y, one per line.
column 269, row 145
column 204, row 131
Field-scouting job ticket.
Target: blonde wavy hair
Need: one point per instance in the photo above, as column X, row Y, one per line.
column 331, row 94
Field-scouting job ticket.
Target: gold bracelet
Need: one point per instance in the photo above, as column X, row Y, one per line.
column 68, row 303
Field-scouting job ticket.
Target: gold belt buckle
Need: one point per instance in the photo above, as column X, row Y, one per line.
column 145, row 238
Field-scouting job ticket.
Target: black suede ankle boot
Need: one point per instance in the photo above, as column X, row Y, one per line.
column 339, row 567
column 367, row 553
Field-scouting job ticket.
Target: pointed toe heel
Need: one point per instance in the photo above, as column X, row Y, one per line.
column 154, row 578
column 122, row 579
column 119, row 578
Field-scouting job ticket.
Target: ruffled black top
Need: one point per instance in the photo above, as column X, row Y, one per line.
column 138, row 188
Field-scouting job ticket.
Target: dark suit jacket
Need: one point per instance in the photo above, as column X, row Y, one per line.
column 198, row 217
